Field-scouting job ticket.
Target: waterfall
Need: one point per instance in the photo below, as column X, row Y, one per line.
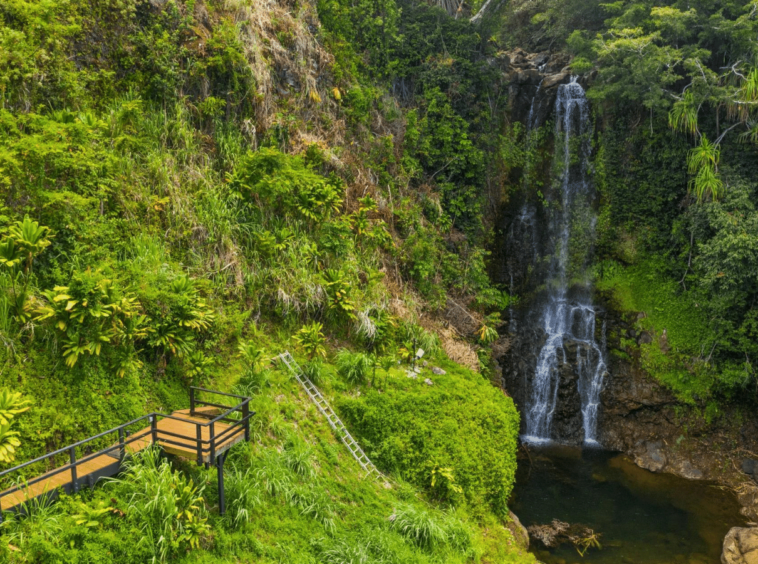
column 567, row 316
column 530, row 123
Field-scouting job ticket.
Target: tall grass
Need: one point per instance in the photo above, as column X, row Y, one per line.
column 354, row 367
column 423, row 339
column 420, row 526
column 349, row 552
column 242, row 494
column 39, row 517
column 6, row 316
column 164, row 505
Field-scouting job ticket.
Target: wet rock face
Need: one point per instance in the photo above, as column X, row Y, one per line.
column 518, row 365
column 528, row 73
column 634, row 410
column 741, row 546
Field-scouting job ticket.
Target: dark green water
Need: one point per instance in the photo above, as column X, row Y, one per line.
column 644, row 518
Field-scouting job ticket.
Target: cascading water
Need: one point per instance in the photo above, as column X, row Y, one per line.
column 567, row 316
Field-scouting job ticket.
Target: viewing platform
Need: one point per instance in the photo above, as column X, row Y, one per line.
column 203, row 433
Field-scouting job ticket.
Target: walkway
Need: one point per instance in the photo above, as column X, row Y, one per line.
column 203, row 433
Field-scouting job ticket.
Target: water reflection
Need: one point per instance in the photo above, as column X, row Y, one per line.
column 644, row 518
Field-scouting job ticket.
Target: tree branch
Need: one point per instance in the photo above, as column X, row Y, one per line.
column 489, row 6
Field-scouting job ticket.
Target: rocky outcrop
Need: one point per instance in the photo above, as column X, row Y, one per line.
column 741, row 546
column 640, row 417
column 519, row 532
column 534, row 79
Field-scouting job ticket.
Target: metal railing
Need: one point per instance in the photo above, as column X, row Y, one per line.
column 236, row 419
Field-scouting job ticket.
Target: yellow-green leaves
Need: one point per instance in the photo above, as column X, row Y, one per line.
column 311, row 339
column 10, row 253
column 8, row 442
column 30, row 238
column 702, row 164
column 683, row 116
column 91, row 312
column 339, row 291
column 11, row 405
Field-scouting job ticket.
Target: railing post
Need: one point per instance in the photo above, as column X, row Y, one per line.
column 213, row 443
column 121, row 445
column 192, row 400
column 72, row 458
column 199, row 435
column 246, row 417
column 221, row 495
column 154, row 428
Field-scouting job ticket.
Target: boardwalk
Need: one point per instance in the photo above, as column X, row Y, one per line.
column 203, row 433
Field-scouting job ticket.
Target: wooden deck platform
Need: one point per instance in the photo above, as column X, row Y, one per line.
column 181, row 434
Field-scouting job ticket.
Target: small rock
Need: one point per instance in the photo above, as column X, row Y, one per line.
column 412, row 375
column 690, row 472
column 741, row 546
column 438, row 371
column 750, row 466
column 652, row 458
column 645, row 338
column 425, row 364
column 428, row 382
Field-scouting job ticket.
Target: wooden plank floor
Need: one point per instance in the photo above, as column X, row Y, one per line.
column 138, row 441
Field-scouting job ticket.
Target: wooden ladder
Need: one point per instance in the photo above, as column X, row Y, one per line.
column 334, row 421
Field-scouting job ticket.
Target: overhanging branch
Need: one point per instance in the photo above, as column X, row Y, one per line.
column 488, row 7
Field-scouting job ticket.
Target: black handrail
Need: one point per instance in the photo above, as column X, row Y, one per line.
column 218, row 393
column 75, row 445
column 156, row 436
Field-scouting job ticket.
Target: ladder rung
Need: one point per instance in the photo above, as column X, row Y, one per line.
column 323, row 405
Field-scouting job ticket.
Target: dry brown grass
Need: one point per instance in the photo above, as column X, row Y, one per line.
column 458, row 350
column 284, row 54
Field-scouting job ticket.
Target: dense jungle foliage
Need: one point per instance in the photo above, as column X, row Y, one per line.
column 190, row 187
column 674, row 86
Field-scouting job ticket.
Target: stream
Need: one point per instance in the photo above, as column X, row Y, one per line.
column 642, row 517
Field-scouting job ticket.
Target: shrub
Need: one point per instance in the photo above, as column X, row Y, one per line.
column 312, row 340
column 164, row 505
column 354, row 367
column 461, row 424
column 419, row 525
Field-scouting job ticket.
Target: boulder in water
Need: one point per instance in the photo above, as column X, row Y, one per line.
column 652, row 458
column 750, row 467
column 741, row 546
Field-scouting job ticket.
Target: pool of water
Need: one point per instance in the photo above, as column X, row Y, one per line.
column 642, row 517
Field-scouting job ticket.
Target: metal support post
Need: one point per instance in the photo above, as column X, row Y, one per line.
column 72, row 458
column 220, row 469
